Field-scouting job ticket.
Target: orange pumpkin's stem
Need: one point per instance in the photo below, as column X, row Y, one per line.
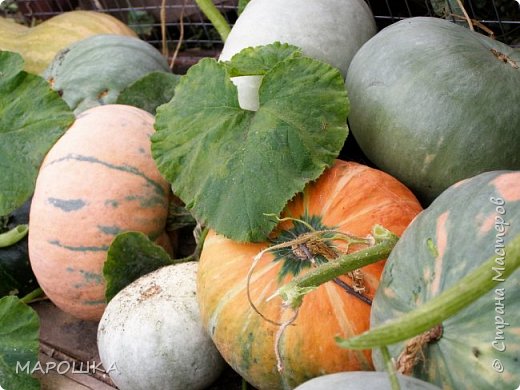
column 293, row 292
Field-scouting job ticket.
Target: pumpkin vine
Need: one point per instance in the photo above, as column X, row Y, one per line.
column 307, row 247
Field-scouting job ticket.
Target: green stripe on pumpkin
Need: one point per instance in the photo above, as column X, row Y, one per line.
column 124, row 168
column 110, row 230
column 147, row 201
column 94, row 302
column 81, row 248
column 92, row 277
column 67, row 205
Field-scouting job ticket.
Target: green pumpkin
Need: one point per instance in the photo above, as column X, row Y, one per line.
column 479, row 347
column 433, row 103
column 16, row 276
column 95, row 70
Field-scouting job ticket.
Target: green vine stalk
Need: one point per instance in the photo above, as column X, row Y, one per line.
column 13, row 236
column 293, row 292
column 471, row 287
column 215, row 17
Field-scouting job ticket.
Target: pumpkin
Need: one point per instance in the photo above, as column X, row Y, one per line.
column 38, row 45
column 15, row 270
column 437, row 108
column 360, row 380
column 151, row 334
column 95, row 70
column 465, row 226
column 327, row 30
column 348, row 197
column 99, row 179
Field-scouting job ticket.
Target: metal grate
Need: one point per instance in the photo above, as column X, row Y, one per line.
column 499, row 17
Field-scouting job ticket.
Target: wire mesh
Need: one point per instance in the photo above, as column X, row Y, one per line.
column 184, row 23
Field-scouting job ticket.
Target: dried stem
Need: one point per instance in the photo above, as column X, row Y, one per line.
column 413, row 351
column 181, row 36
column 164, row 42
column 468, row 19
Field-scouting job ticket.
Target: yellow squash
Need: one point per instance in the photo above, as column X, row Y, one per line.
column 38, row 45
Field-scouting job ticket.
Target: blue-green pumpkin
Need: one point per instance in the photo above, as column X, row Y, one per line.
column 432, row 103
column 473, row 220
column 95, row 70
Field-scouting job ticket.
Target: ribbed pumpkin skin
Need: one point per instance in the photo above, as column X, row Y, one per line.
column 38, row 45
column 437, row 108
column 352, row 198
column 93, row 71
column 465, row 228
column 99, row 179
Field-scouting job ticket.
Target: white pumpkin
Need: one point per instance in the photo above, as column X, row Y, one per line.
column 150, row 336
column 361, row 380
column 328, row 30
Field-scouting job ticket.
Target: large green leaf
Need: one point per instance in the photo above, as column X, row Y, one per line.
column 32, row 118
column 150, row 91
column 130, row 256
column 19, row 344
column 231, row 166
column 260, row 59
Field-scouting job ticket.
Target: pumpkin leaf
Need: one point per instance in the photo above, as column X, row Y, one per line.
column 141, row 22
column 149, row 91
column 32, row 118
column 259, row 60
column 130, row 256
column 231, row 166
column 19, row 344
column 242, row 5
column 446, row 8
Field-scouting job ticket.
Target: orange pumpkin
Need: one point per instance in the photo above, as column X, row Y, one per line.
column 99, row 179
column 348, row 197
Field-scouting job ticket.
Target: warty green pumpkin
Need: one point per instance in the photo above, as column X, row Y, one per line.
column 98, row 180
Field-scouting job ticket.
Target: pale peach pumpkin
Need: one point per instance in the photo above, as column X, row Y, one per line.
column 99, row 179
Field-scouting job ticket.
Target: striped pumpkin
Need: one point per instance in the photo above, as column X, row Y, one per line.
column 349, row 197
column 463, row 227
column 98, row 180
column 38, row 45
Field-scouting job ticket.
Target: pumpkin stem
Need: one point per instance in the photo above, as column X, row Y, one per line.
column 471, row 287
column 504, row 58
column 306, row 246
column 13, row 236
column 413, row 351
column 293, row 292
